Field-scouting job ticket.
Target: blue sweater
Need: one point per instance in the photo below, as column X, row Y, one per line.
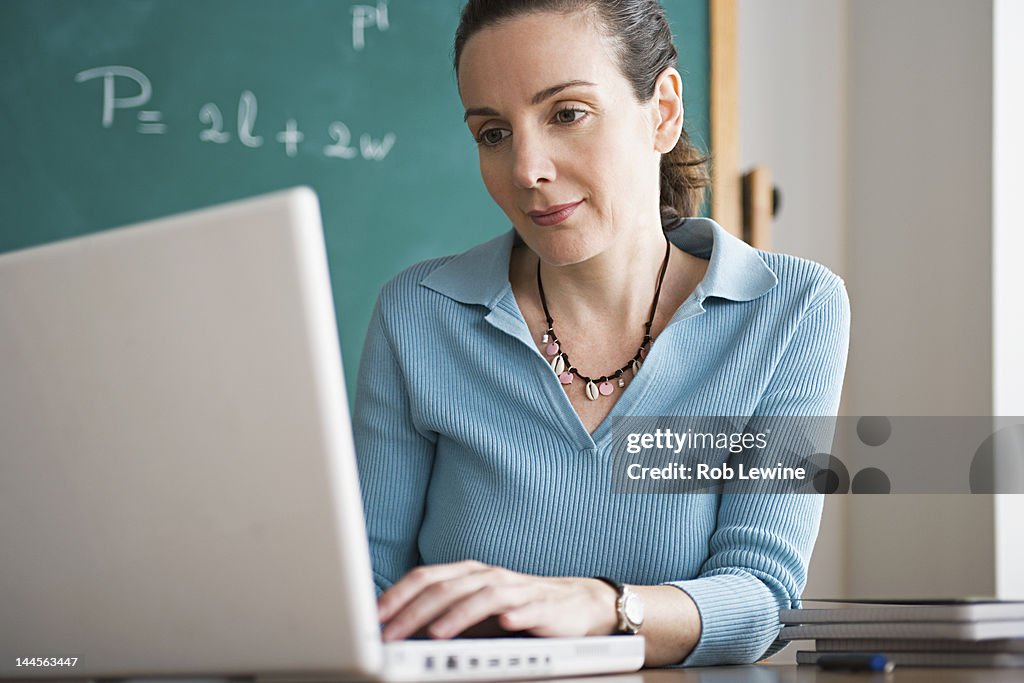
column 469, row 448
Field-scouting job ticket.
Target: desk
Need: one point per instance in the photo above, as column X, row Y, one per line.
column 758, row 673
column 791, row 673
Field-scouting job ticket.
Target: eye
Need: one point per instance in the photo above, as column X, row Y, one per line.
column 493, row 136
column 569, row 115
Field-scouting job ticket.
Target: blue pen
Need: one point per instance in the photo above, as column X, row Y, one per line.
column 855, row 661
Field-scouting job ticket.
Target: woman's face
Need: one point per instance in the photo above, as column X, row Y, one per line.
column 565, row 149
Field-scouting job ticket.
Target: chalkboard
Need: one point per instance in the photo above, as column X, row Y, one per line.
column 118, row 111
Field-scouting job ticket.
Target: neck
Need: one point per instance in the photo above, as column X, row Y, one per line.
column 615, row 287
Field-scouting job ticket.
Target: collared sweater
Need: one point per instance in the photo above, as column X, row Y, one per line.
column 468, row 447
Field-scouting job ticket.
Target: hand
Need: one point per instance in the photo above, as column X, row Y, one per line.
column 444, row 600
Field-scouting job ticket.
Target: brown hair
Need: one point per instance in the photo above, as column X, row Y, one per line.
column 643, row 42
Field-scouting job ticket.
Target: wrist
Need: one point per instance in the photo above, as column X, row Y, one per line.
column 629, row 607
column 605, row 599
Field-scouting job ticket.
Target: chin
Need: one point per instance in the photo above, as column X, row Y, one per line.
column 558, row 246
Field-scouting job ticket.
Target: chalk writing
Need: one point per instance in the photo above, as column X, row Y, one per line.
column 110, row 100
column 367, row 16
column 247, row 119
column 210, row 116
column 290, row 137
column 376, row 149
column 341, row 135
column 149, row 123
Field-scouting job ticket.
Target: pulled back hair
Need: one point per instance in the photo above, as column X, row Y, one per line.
column 643, row 45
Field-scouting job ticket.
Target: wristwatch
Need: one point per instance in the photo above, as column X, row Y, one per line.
column 629, row 606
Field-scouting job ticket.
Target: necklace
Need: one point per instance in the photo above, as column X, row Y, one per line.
column 563, row 367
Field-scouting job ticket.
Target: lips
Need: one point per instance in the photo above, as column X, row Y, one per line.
column 553, row 215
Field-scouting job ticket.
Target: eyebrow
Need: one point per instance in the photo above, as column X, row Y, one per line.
column 535, row 100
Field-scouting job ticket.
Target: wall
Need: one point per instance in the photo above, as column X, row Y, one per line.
column 919, row 250
column 792, row 89
column 1008, row 277
column 892, row 129
column 792, row 82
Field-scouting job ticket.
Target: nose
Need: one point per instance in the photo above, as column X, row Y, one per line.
column 533, row 162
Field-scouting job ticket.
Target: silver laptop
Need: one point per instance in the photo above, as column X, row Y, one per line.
column 178, row 492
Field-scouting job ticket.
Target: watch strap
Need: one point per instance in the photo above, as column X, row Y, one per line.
column 619, row 588
column 623, row 626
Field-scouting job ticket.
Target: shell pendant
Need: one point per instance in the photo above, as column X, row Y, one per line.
column 558, row 364
column 592, row 391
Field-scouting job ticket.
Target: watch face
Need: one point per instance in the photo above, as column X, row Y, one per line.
column 633, row 607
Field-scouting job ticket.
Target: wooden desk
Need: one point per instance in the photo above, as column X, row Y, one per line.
column 791, row 673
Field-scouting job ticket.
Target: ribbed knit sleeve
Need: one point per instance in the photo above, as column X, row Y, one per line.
column 394, row 457
column 761, row 545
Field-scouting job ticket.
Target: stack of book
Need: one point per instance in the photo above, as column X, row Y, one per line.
column 963, row 632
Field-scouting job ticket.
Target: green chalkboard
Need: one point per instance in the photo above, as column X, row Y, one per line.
column 118, row 111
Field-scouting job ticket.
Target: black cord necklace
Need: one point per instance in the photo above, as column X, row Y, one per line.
column 563, row 367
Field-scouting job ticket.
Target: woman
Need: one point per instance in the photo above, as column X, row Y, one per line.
column 489, row 379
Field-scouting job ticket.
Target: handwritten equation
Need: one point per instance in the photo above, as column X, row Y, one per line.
column 150, row 122
column 117, row 79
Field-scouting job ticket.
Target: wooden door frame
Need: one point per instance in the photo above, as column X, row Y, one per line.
column 726, row 197
column 742, row 203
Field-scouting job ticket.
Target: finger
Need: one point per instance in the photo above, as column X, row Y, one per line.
column 395, row 598
column 561, row 613
column 432, row 602
column 526, row 617
column 489, row 600
column 544, row 619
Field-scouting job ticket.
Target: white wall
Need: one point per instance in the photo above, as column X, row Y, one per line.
column 1008, row 243
column 919, row 220
column 918, row 260
column 792, row 85
column 1008, row 276
column 893, row 129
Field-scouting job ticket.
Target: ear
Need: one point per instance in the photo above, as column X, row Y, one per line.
column 668, row 95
